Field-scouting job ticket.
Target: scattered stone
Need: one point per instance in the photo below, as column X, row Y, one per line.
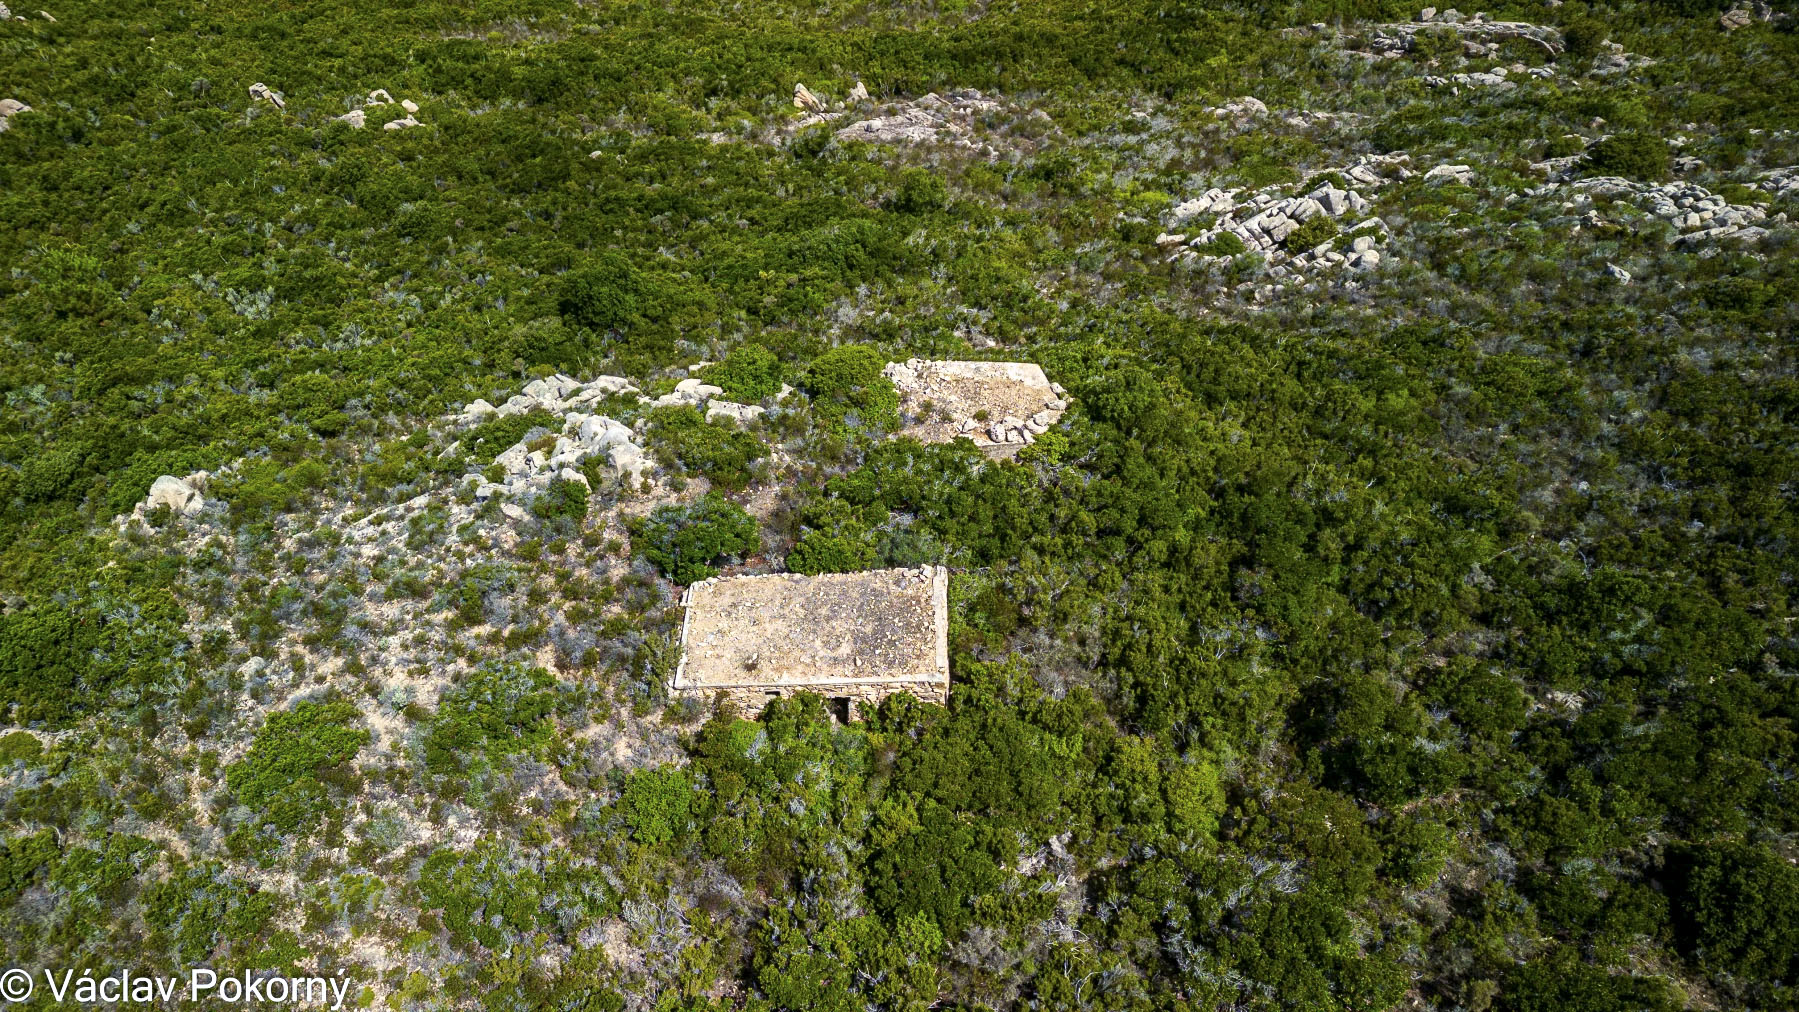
column 355, row 117
column 409, row 105
column 1240, row 109
column 1617, row 273
column 1457, row 173
column 742, row 414
column 10, row 107
column 263, row 93
column 804, row 99
column 380, row 97
column 1740, row 16
column 857, row 94
column 401, row 124
column 178, row 494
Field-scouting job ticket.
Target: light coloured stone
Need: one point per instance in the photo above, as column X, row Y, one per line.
column 742, row 414
column 804, row 99
column 263, row 93
column 176, row 494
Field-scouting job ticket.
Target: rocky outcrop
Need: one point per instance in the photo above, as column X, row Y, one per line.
column 10, row 107
column 355, row 117
column 805, row 100
column 582, row 434
column 1479, row 33
column 1462, row 174
column 1262, row 220
column 260, row 92
column 934, row 117
column 1698, row 215
column 741, row 414
column 1240, row 109
column 1745, row 14
column 689, row 393
column 181, row 495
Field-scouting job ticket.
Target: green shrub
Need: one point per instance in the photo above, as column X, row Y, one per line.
column 686, row 542
column 1224, row 244
column 1583, row 37
column 279, row 777
column 1639, row 156
column 848, row 390
column 921, row 191
column 499, row 711
column 561, row 500
column 721, row 452
column 834, row 539
column 655, row 804
column 1440, row 45
column 748, row 374
column 1314, row 231
column 606, row 294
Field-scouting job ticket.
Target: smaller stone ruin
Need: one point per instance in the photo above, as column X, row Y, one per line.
column 1001, row 406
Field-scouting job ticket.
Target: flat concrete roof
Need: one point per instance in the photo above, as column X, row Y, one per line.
column 784, row 630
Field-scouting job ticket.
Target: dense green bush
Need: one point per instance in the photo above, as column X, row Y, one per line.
column 1314, row 231
column 687, row 542
column 920, row 192
column 848, row 390
column 499, row 711
column 1633, row 155
column 1583, row 37
column 748, row 373
column 719, row 451
column 280, row 777
column 606, row 294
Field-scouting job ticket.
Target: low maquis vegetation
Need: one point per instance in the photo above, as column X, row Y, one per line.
column 1398, row 614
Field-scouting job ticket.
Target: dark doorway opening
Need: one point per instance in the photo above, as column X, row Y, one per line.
column 841, row 708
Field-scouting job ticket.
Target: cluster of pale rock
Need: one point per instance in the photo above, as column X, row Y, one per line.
column 1501, row 78
column 1248, row 107
column 377, row 99
column 8, row 15
column 260, row 92
column 183, row 496
column 10, row 107
column 1745, row 14
column 934, row 117
column 1480, row 34
column 1263, row 220
column 1781, row 182
column 585, row 433
column 948, row 118
column 1698, row 215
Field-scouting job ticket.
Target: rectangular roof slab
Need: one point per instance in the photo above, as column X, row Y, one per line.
column 1001, row 406
column 789, row 631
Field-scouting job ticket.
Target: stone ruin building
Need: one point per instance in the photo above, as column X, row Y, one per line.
column 853, row 638
column 1002, row 406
